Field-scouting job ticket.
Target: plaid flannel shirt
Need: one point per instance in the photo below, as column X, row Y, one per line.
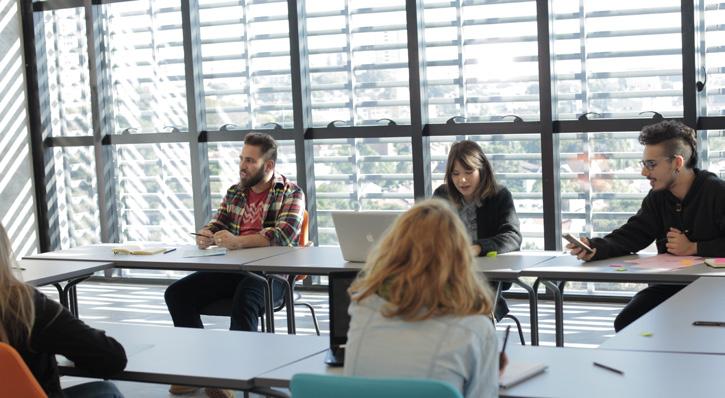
column 283, row 212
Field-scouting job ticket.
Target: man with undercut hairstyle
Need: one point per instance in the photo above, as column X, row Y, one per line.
column 684, row 212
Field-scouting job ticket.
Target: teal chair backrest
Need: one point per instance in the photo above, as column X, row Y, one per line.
column 321, row 386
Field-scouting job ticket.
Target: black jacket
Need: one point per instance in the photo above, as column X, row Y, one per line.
column 700, row 216
column 496, row 219
column 57, row 331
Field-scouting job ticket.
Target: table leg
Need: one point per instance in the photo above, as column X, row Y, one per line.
column 558, row 310
column 268, row 309
column 288, row 283
column 533, row 310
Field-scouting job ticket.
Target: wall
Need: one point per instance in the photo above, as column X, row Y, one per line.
column 17, row 207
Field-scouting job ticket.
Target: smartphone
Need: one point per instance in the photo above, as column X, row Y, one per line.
column 576, row 242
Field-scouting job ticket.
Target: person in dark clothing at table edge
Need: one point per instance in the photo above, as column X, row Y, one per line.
column 684, row 212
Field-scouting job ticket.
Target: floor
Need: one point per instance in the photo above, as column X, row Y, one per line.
column 586, row 324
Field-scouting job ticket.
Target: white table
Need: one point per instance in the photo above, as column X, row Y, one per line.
column 230, row 262
column 571, row 373
column 670, row 323
column 50, row 272
column 325, row 260
column 554, row 273
column 205, row 358
column 174, row 260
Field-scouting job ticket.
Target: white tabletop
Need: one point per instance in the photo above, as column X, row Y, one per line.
column 569, row 268
column 510, row 265
column 45, row 272
column 174, row 260
column 571, row 373
column 305, row 260
column 212, row 358
column 324, row 260
column 670, row 323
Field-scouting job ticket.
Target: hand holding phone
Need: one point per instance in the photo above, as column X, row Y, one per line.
column 576, row 242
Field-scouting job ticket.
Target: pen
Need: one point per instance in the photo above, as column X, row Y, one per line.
column 195, row 234
column 609, row 368
column 506, row 338
column 169, row 251
column 708, row 323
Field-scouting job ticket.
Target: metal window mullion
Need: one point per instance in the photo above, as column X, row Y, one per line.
column 102, row 116
column 196, row 111
column 549, row 140
column 39, row 124
column 420, row 142
column 689, row 90
column 302, row 110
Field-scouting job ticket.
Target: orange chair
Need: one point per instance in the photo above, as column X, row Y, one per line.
column 18, row 381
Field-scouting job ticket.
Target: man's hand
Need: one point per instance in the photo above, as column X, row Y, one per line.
column 580, row 253
column 503, row 361
column 226, row 239
column 679, row 245
column 202, row 242
column 476, row 250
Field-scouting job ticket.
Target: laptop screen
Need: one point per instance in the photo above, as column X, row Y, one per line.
column 339, row 282
column 358, row 232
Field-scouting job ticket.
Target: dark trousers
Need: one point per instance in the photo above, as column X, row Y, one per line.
column 186, row 297
column 94, row 389
column 644, row 301
column 501, row 308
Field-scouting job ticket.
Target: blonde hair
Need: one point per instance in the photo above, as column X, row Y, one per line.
column 423, row 267
column 17, row 311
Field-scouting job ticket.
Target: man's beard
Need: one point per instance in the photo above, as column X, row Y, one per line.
column 253, row 180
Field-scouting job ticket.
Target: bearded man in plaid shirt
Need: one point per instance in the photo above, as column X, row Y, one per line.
column 263, row 209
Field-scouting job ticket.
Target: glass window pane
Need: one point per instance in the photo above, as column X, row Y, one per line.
column 713, row 151
column 361, row 174
column 224, row 166
column 358, row 61
column 617, row 58
column 153, row 192
column 481, row 60
column 246, row 63
column 77, row 196
column 714, row 57
column 146, row 58
column 516, row 162
column 66, row 55
column 601, row 181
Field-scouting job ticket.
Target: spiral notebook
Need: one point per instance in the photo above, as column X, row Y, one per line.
column 715, row 262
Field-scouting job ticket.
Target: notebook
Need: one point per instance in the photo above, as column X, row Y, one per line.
column 337, row 287
column 518, row 371
column 358, row 232
column 138, row 250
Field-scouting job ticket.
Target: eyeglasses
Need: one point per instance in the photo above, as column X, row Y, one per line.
column 650, row 164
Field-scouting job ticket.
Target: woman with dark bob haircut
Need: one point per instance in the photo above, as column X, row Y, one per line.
column 486, row 208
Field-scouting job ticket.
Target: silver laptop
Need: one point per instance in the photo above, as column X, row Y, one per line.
column 358, row 232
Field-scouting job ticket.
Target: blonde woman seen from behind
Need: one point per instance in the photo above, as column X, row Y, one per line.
column 419, row 310
column 39, row 328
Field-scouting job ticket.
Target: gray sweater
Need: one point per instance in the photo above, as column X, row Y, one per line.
column 462, row 351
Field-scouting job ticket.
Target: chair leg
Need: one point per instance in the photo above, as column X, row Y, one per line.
column 518, row 327
column 314, row 317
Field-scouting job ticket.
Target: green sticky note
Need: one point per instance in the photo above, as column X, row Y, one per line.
column 646, row 334
column 492, row 254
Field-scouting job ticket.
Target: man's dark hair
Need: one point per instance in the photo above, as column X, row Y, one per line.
column 265, row 142
column 677, row 138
